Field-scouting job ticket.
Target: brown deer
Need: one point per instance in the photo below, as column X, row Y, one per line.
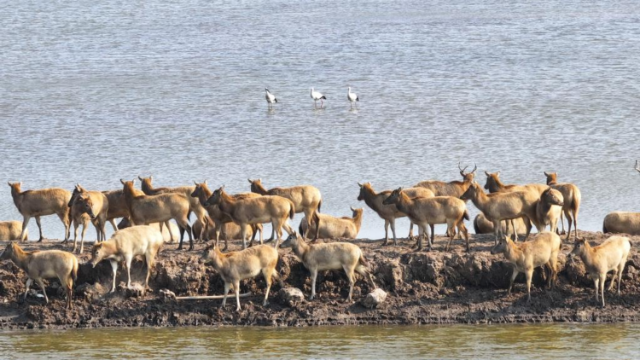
column 548, row 210
column 389, row 213
column 483, row 226
column 622, row 222
column 501, row 206
column 329, row 256
column 264, row 209
column 146, row 184
column 88, row 206
column 572, row 198
column 117, row 206
column 429, row 211
column 599, row 260
column 223, row 224
column 493, row 184
column 125, row 245
column 12, row 230
column 147, row 209
column 246, row 264
column 525, row 257
column 452, row 188
column 47, row 264
column 328, row 227
column 43, row 202
column 306, row 198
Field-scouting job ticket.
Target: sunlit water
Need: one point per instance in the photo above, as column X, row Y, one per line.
column 92, row 92
column 366, row 342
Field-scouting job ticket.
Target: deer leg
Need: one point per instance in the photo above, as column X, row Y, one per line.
column 76, row 225
column 392, row 222
column 114, row 268
column 513, row 278
column 236, row 286
column 603, row 277
column 26, row 290
column 25, row 222
column 44, row 291
column 226, row 292
column 528, row 229
column 569, row 222
column 620, row 274
column 266, row 272
column 127, row 263
column 40, row 229
column 596, row 283
column 562, row 223
column 243, row 230
column 410, row 231
column 529, row 275
column 113, row 224
column 386, row 232
column 85, row 225
column 575, row 225
column 497, row 229
column 351, row 277
column 314, row 277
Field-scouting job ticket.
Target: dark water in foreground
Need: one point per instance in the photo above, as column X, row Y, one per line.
column 618, row 341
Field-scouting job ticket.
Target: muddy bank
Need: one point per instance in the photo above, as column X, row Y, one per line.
column 423, row 288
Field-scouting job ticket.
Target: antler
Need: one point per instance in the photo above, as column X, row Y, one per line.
column 475, row 167
column 461, row 169
column 637, row 166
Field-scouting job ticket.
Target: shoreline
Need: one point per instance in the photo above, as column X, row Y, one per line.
column 423, row 288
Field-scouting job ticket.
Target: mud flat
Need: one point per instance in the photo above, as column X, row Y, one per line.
column 434, row 287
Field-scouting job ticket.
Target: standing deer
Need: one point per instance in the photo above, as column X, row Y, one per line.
column 43, row 202
column 264, row 209
column 452, row 188
column 88, row 206
column 389, row 213
column 305, row 198
column 222, row 222
column 146, row 184
column 572, row 199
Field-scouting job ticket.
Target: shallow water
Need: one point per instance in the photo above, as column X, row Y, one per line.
column 92, row 92
column 364, row 342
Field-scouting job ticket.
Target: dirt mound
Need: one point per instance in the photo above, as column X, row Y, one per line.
column 422, row 287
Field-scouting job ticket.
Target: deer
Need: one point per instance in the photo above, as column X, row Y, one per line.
column 598, row 260
column 329, row 256
column 146, row 184
column 622, row 222
column 245, row 264
column 452, row 188
column 306, row 198
column 328, row 227
column 267, row 208
column 43, row 202
column 88, row 206
column 572, row 199
column 223, row 224
column 429, row 211
column 125, row 245
column 12, row 230
column 46, row 264
column 501, row 206
column 147, row 209
column 389, row 213
column 525, row 257
column 493, row 184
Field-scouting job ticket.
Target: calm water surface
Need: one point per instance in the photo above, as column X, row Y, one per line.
column 366, row 342
column 92, row 92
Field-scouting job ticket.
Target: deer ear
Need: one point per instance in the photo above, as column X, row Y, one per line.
column 546, row 174
column 205, row 181
column 352, row 209
column 8, row 183
column 358, row 184
column 486, row 173
column 139, row 177
column 122, row 181
column 250, row 182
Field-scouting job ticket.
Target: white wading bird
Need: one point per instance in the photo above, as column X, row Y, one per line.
column 353, row 97
column 271, row 99
column 315, row 95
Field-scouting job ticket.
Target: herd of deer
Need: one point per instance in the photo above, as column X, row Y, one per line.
column 507, row 210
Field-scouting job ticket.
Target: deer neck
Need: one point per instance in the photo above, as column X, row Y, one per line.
column 587, row 254
column 20, row 258
column 146, row 187
column 300, row 248
column 357, row 220
column 480, row 200
column 512, row 252
column 204, row 194
column 227, row 203
column 17, row 195
column 404, row 203
column 259, row 189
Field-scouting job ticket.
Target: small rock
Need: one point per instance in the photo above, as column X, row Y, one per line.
column 374, row 298
column 136, row 290
column 290, row 295
column 90, row 292
column 167, row 295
